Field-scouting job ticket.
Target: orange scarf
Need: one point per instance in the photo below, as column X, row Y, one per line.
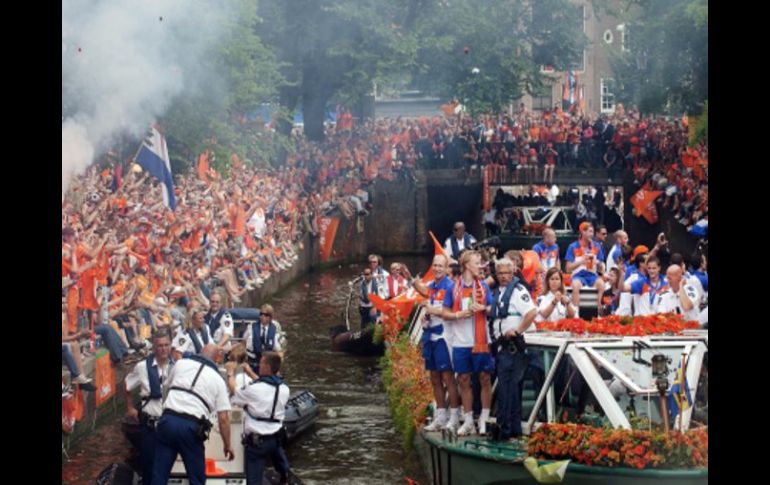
column 479, row 318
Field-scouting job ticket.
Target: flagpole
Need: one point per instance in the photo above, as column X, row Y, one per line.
column 682, row 384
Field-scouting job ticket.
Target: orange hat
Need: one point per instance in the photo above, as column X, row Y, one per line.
column 640, row 249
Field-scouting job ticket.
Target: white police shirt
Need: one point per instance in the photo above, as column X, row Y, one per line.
column 520, row 304
column 259, row 398
column 183, row 343
column 138, row 377
column 225, row 328
column 210, row 386
column 249, row 341
column 670, row 302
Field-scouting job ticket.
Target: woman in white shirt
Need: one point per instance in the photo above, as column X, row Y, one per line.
column 554, row 304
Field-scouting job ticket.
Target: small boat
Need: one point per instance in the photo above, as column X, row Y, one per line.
column 359, row 342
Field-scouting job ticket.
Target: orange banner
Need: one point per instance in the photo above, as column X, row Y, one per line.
column 644, row 204
column 485, row 195
column 328, row 229
column 203, row 166
column 72, row 408
column 105, row 378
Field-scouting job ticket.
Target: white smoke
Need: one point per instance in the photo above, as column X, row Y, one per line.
column 123, row 61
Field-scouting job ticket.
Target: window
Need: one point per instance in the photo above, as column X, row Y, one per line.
column 608, row 97
column 623, row 29
column 608, row 36
column 542, row 100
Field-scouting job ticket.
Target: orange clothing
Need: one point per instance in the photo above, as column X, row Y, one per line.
column 73, row 295
column 88, row 285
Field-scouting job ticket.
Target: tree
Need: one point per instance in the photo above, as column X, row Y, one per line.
column 213, row 112
column 334, row 50
column 665, row 68
column 489, row 57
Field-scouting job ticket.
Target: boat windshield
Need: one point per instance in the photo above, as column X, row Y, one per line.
column 612, row 384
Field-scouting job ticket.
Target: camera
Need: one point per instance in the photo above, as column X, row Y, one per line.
column 491, row 242
column 455, row 269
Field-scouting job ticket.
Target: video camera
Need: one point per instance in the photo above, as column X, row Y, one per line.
column 492, row 242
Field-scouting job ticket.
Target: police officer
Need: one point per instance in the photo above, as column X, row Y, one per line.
column 195, row 391
column 264, row 401
column 262, row 336
column 148, row 375
column 192, row 340
column 219, row 321
column 512, row 313
column 365, row 306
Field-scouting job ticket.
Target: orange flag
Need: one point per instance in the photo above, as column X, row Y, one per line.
column 437, row 249
column 105, row 378
column 644, row 203
column 328, row 229
column 203, row 166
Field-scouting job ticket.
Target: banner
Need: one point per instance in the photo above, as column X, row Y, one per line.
column 105, row 377
column 328, row 229
column 72, row 407
column 644, row 204
column 203, row 166
column 485, row 195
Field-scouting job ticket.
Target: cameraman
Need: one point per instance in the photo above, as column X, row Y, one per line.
column 512, row 314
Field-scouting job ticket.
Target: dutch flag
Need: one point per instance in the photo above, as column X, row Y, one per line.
column 153, row 157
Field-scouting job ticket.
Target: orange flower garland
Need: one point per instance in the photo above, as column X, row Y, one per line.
column 621, row 447
column 657, row 324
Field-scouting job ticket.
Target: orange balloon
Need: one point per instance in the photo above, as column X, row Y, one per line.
column 531, row 263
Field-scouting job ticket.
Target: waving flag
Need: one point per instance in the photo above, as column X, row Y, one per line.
column 679, row 399
column 644, row 203
column 153, row 157
column 203, row 166
column 572, row 85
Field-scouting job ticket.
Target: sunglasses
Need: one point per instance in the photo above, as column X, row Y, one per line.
column 266, row 314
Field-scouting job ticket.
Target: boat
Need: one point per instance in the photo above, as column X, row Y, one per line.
column 624, row 381
column 358, row 342
column 536, row 219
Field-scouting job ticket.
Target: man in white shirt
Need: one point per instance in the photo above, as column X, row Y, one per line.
column 459, row 241
column 681, row 297
column 148, row 375
column 262, row 336
column 512, row 314
column 264, row 402
column 194, row 391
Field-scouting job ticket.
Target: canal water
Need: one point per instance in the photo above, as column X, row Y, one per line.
column 353, row 441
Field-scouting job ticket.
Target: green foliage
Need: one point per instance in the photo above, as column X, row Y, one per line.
column 404, row 392
column 665, row 69
column 240, row 73
column 488, row 57
column 702, row 127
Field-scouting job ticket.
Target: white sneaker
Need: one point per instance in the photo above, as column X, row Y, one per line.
column 81, row 379
column 436, row 425
column 467, row 429
column 482, row 428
